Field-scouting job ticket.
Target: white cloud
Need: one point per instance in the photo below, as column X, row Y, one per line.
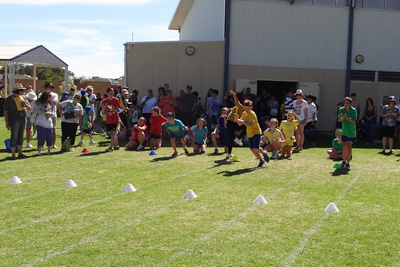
column 74, row 2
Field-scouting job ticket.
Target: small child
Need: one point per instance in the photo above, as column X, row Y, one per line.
column 253, row 130
column 176, row 129
column 139, row 135
column 335, row 152
column 200, row 136
column 275, row 138
column 221, row 131
column 87, row 124
column 287, row 127
column 157, row 121
column 31, row 97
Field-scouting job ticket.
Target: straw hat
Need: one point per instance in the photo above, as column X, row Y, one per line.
column 18, row 86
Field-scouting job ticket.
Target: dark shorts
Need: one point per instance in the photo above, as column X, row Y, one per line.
column 172, row 135
column 199, row 144
column 154, row 136
column 254, row 142
column 398, row 123
column 347, row 139
column 88, row 131
column 111, row 127
column 387, row 131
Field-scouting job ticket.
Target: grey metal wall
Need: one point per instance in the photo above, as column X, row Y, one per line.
column 283, row 35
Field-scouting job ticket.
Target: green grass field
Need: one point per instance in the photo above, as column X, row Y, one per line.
column 96, row 224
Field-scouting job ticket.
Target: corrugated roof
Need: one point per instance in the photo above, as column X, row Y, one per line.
column 180, row 14
column 30, row 54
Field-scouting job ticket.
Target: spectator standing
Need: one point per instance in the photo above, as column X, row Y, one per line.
column 289, row 102
column 188, row 104
column 212, row 109
column 300, row 107
column 72, row 113
column 168, row 103
column 148, row 102
column 54, row 101
column 389, row 115
column 15, row 106
column 44, row 123
column 370, row 114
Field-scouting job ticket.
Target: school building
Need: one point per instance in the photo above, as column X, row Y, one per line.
column 328, row 48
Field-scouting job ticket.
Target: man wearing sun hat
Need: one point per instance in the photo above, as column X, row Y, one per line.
column 15, row 106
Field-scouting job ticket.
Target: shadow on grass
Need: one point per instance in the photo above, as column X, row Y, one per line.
column 216, row 154
column 341, row 171
column 163, row 158
column 237, row 172
column 93, row 153
column 221, row 162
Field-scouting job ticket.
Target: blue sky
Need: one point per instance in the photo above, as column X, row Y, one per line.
column 87, row 34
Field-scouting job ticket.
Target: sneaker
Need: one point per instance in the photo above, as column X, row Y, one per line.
column 175, row 154
column 33, row 136
column 347, row 165
column 266, row 157
column 116, row 147
column 91, row 142
column 81, row 143
column 238, row 141
column 39, row 154
column 139, row 148
column 110, row 149
column 186, row 151
column 216, row 151
column 229, row 155
column 261, row 163
column 275, row 155
column 22, row 156
column 28, row 145
column 54, row 147
column 343, row 164
column 72, row 149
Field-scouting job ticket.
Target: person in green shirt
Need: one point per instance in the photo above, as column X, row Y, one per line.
column 347, row 116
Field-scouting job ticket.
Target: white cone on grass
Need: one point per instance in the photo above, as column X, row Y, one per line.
column 70, row 183
column 331, row 208
column 129, row 188
column 260, row 200
column 190, row 194
column 15, row 180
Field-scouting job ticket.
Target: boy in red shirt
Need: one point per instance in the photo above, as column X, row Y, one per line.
column 110, row 107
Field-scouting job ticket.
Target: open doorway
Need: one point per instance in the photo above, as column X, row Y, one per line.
column 275, row 88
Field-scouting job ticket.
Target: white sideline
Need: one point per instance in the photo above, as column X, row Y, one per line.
column 316, row 227
column 228, row 223
column 48, row 218
column 149, row 215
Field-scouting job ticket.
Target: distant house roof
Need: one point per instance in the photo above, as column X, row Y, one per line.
column 180, row 14
column 29, row 54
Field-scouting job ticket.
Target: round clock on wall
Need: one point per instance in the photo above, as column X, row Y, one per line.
column 190, row 50
column 359, row 58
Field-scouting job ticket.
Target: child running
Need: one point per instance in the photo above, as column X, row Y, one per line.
column 249, row 118
column 221, row 131
column 335, row 152
column 275, row 138
column 287, row 127
column 176, row 129
column 139, row 135
column 200, row 136
column 87, row 125
column 157, row 121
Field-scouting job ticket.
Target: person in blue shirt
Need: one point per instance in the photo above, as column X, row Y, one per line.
column 176, row 129
column 200, row 136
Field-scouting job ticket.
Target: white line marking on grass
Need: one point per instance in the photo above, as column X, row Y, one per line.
column 316, row 227
column 136, row 221
column 93, row 238
column 48, row 218
column 241, row 215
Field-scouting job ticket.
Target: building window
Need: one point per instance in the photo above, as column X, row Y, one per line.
column 391, row 77
column 362, row 75
column 303, row 1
